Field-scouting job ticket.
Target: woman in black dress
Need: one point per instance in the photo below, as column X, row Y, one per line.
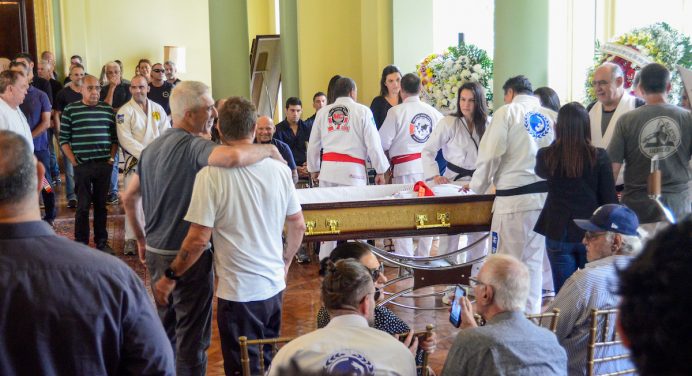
column 580, row 179
column 389, row 94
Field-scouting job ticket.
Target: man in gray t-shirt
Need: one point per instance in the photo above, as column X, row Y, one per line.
column 164, row 180
column 657, row 129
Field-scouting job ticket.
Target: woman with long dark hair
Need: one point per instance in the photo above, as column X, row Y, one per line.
column 390, row 86
column 458, row 136
column 580, row 179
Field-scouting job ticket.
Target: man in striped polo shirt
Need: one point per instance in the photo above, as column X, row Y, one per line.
column 88, row 139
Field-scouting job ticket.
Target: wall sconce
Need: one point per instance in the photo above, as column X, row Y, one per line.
column 176, row 55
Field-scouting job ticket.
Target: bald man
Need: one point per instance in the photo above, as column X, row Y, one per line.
column 612, row 102
column 265, row 133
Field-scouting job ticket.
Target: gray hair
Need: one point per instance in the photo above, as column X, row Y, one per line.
column 346, row 283
column 170, row 62
column 510, row 280
column 187, row 96
column 631, row 244
column 615, row 70
column 17, row 168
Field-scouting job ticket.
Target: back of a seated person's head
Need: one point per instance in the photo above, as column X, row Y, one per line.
column 345, row 284
column 510, row 280
column 237, row 119
column 348, row 250
column 656, row 303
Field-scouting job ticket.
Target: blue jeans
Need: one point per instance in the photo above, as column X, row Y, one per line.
column 53, row 163
column 113, row 189
column 69, row 179
column 565, row 258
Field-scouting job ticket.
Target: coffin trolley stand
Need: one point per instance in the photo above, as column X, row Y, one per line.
column 347, row 213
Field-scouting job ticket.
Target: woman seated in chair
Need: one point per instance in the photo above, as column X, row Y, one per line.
column 385, row 320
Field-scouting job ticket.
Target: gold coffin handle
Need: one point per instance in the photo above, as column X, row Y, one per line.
column 421, row 220
column 332, row 228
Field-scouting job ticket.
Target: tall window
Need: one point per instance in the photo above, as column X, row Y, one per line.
column 474, row 18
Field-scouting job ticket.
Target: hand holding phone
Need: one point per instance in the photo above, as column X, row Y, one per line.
column 455, row 313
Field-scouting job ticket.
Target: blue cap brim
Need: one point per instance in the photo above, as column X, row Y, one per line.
column 586, row 225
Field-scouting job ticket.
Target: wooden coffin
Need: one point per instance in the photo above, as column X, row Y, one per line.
column 343, row 213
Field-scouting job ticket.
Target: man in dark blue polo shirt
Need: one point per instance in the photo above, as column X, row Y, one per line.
column 66, row 309
column 295, row 133
column 36, row 109
column 89, row 140
column 265, row 131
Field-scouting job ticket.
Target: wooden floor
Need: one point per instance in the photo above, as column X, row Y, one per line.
column 302, row 298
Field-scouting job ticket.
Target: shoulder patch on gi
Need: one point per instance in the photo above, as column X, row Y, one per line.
column 348, row 362
column 338, row 119
column 660, row 136
column 420, row 128
column 536, row 124
column 120, row 118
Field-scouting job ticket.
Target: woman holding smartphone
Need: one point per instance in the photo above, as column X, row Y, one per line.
column 580, row 179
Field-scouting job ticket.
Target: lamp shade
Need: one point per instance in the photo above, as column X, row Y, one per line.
column 176, row 55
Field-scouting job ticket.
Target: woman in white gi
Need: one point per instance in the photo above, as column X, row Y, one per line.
column 458, row 135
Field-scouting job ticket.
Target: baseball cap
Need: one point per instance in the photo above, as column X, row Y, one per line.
column 611, row 217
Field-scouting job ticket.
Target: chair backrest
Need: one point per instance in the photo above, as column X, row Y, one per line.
column 261, row 343
column 425, row 371
column 553, row 315
column 605, row 346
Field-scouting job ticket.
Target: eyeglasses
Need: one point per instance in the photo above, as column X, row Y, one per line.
column 593, row 235
column 375, row 273
column 473, row 282
column 600, row 83
column 157, row 70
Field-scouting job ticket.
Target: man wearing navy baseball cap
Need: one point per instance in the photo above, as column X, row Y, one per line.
column 611, row 241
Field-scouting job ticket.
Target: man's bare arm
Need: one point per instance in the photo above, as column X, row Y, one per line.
column 242, row 155
column 295, row 228
column 194, row 244
column 43, row 125
column 616, row 170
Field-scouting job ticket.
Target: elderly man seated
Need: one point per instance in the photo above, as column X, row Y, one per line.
column 611, row 240
column 509, row 344
column 348, row 345
column 265, row 134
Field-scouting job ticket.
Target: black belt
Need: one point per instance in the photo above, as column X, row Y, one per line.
column 537, row 187
column 461, row 172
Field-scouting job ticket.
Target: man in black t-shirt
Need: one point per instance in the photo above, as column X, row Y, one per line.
column 159, row 88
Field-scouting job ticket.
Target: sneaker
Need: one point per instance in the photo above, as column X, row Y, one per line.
column 104, row 247
column 130, row 247
column 112, row 199
column 72, row 204
column 302, row 256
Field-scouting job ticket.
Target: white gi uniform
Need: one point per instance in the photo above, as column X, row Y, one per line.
column 507, row 157
column 404, row 132
column 347, row 345
column 598, row 139
column 14, row 120
column 459, row 147
column 346, row 132
column 136, row 130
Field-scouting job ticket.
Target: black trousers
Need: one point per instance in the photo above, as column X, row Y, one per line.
column 255, row 320
column 43, row 156
column 91, row 182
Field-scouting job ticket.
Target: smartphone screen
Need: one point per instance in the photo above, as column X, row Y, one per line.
column 455, row 313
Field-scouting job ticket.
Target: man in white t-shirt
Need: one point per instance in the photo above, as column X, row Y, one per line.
column 348, row 345
column 245, row 209
column 13, row 88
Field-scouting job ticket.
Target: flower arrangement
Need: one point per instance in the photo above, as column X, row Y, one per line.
column 442, row 74
column 657, row 43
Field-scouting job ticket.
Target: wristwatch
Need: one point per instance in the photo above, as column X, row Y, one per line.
column 170, row 274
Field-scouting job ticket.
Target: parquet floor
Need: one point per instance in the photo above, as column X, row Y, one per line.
column 301, row 302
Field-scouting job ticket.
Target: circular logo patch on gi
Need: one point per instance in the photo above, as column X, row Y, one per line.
column 420, row 128
column 348, row 362
column 536, row 124
column 166, row 94
column 659, row 136
column 338, row 118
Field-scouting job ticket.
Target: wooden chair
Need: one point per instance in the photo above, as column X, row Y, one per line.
column 427, row 333
column 554, row 316
column 604, row 337
column 245, row 356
